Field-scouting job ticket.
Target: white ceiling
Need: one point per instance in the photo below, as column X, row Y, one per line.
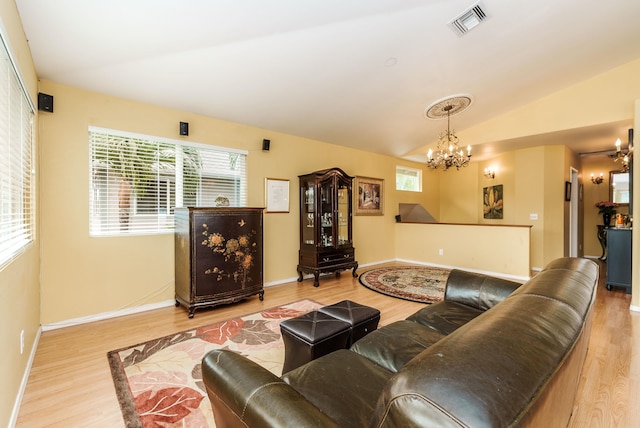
column 357, row 73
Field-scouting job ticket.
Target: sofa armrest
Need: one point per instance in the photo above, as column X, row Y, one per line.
column 477, row 290
column 244, row 394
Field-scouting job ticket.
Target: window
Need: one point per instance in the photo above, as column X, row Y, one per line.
column 17, row 205
column 408, row 179
column 137, row 181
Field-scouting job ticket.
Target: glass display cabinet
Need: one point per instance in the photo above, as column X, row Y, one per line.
column 325, row 224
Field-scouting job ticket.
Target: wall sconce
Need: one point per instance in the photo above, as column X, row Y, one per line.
column 489, row 173
column 597, row 180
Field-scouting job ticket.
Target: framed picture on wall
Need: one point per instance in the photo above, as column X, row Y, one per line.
column 277, row 195
column 492, row 202
column 368, row 196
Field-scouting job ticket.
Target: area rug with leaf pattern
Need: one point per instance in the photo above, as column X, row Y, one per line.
column 159, row 382
column 423, row 284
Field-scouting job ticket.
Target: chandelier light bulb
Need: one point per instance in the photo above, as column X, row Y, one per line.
column 624, row 156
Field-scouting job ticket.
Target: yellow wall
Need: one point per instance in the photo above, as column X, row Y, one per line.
column 497, row 250
column 19, row 289
column 533, row 183
column 594, row 193
column 605, row 98
column 84, row 276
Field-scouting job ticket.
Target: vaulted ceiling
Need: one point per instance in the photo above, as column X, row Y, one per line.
column 357, row 73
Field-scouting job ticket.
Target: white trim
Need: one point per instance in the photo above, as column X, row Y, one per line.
column 634, row 308
column 127, row 134
column 4, row 39
column 107, row 315
column 25, row 378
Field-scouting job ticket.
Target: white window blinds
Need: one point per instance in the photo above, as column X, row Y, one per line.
column 137, row 181
column 17, row 205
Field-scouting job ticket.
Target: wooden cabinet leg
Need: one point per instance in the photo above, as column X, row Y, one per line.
column 316, row 279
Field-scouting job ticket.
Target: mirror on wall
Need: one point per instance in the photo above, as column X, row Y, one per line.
column 619, row 187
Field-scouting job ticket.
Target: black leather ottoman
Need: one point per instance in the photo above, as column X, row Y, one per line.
column 363, row 319
column 310, row 336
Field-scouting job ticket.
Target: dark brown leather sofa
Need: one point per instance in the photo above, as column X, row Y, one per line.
column 484, row 357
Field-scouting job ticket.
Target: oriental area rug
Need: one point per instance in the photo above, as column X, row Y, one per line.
column 423, row 284
column 159, row 382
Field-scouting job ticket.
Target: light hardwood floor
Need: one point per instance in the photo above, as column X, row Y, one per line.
column 70, row 383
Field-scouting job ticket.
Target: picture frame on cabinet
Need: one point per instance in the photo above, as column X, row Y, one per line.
column 368, row 196
column 277, row 195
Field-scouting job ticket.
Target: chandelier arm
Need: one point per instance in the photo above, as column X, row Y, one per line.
column 448, row 154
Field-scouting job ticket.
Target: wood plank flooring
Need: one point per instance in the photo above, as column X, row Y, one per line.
column 70, row 383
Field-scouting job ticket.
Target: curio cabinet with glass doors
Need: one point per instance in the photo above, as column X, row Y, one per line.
column 325, row 224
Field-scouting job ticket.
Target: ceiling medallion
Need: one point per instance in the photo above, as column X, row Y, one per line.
column 448, row 154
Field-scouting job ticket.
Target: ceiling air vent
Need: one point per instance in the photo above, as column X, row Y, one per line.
column 468, row 19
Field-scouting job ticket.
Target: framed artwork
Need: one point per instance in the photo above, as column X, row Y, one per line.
column 277, row 195
column 567, row 191
column 492, row 203
column 368, row 196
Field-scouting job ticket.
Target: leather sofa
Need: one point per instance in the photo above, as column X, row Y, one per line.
column 486, row 356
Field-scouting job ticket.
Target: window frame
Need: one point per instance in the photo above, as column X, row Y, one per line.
column 187, row 169
column 400, row 171
column 17, row 162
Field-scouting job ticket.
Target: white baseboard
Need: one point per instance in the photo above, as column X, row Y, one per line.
column 634, row 308
column 25, row 378
column 108, row 315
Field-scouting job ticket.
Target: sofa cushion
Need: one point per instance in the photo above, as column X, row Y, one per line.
column 343, row 385
column 477, row 290
column 563, row 284
column 486, row 373
column 394, row 345
column 445, row 317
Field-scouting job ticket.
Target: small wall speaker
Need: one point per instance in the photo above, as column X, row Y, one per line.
column 45, row 102
column 184, row 128
column 266, row 144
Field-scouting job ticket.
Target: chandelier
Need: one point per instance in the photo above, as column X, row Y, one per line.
column 447, row 153
column 621, row 155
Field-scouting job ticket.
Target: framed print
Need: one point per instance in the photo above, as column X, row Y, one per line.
column 369, row 196
column 277, row 195
column 492, row 203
